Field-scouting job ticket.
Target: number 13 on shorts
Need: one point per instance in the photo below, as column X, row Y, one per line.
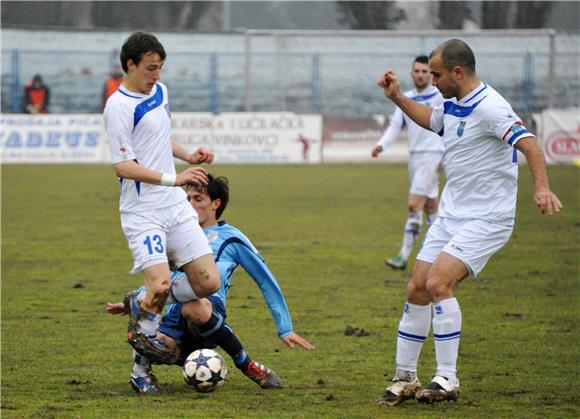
column 154, row 244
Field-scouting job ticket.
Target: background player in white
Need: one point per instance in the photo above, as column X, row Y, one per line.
column 159, row 225
column 480, row 133
column 426, row 151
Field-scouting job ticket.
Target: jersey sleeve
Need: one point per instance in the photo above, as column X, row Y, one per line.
column 436, row 123
column 256, row 267
column 119, row 127
column 505, row 124
column 394, row 130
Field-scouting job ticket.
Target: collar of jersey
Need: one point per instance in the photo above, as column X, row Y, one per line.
column 425, row 92
column 219, row 224
column 473, row 94
column 134, row 95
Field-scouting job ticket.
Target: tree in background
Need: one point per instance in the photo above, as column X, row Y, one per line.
column 495, row 14
column 516, row 15
column 125, row 15
column 453, row 13
column 533, row 14
column 369, row 14
column 150, row 15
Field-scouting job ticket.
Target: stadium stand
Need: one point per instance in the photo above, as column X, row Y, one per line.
column 331, row 75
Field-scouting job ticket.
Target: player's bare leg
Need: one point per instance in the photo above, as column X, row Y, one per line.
column 203, row 275
column 145, row 316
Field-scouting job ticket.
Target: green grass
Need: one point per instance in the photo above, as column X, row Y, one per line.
column 324, row 231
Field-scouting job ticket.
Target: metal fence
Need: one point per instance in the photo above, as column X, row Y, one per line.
column 328, row 72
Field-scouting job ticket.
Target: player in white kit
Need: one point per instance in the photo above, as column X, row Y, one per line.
column 160, row 227
column 426, row 151
column 481, row 133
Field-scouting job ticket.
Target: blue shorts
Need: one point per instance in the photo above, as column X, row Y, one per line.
column 188, row 337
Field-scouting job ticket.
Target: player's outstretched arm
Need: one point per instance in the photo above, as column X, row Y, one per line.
column 391, row 134
column 419, row 113
column 292, row 339
column 199, row 156
column 545, row 199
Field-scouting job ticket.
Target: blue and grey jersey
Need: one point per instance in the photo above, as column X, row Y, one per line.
column 231, row 248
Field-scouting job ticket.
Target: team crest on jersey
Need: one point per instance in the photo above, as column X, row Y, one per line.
column 461, row 128
column 122, row 149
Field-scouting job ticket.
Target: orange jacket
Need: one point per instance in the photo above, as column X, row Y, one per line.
column 112, row 85
column 36, row 96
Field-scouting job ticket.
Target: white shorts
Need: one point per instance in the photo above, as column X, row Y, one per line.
column 166, row 235
column 424, row 169
column 471, row 241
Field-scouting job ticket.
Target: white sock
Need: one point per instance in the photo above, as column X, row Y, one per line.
column 413, row 329
column 180, row 291
column 412, row 228
column 431, row 218
column 141, row 367
column 446, row 333
column 149, row 324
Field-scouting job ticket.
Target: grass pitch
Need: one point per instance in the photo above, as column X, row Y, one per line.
column 324, row 231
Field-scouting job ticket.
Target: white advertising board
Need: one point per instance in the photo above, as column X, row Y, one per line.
column 235, row 138
column 51, row 139
column 240, row 137
column 351, row 140
column 560, row 135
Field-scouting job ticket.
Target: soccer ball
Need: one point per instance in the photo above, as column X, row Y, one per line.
column 204, row 370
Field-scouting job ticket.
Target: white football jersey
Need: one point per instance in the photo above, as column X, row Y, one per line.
column 419, row 138
column 480, row 164
column 139, row 128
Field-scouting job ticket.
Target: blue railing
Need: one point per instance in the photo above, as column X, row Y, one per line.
column 330, row 83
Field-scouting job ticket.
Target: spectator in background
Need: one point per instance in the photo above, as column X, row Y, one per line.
column 112, row 84
column 36, row 96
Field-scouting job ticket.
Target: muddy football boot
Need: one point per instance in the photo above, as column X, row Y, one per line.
column 262, row 375
column 440, row 389
column 399, row 390
column 145, row 385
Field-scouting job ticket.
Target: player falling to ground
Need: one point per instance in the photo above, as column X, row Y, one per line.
column 481, row 134
column 159, row 225
column 426, row 151
column 185, row 325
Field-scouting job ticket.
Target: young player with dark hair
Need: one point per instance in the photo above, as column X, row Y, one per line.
column 202, row 323
column 159, row 225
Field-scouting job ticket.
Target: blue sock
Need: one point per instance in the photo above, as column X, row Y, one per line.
column 220, row 333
